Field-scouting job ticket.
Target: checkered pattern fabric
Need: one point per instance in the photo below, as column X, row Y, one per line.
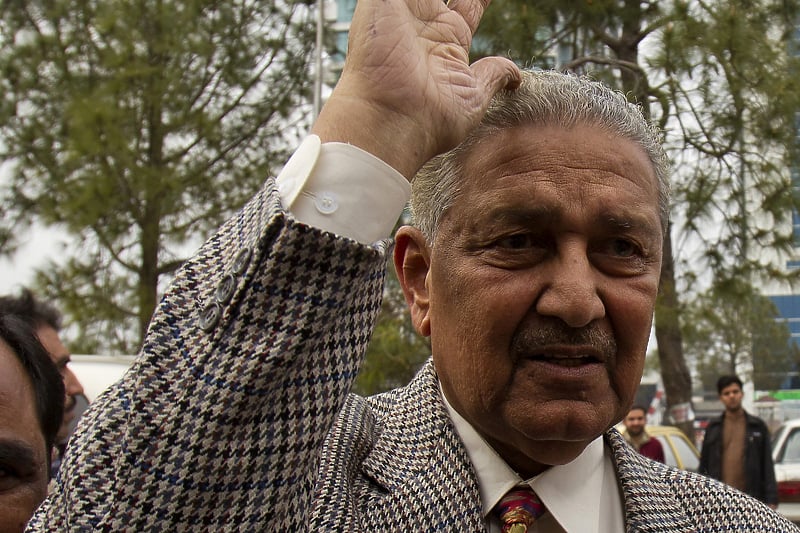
column 237, row 414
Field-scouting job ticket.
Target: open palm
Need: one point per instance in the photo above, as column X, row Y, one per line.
column 408, row 79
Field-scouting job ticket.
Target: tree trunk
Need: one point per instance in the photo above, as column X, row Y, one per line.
column 674, row 372
column 148, row 274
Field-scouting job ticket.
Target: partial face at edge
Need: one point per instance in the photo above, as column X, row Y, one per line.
column 541, row 287
column 23, row 455
column 72, row 387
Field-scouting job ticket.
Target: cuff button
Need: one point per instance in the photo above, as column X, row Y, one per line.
column 209, row 317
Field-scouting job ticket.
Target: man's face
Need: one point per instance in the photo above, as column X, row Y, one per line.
column 540, row 288
column 635, row 422
column 731, row 397
column 23, row 455
column 73, row 388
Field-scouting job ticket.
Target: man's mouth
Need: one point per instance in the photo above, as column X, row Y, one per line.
column 568, row 355
column 569, row 362
column 551, row 342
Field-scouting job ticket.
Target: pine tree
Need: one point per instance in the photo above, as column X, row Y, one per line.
column 138, row 127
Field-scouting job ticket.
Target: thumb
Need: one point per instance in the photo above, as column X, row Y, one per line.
column 496, row 74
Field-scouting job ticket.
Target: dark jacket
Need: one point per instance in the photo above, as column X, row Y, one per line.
column 758, row 467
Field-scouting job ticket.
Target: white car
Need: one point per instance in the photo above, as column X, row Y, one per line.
column 786, row 455
column 96, row 373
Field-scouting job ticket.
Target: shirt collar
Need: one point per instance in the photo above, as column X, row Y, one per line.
column 570, row 492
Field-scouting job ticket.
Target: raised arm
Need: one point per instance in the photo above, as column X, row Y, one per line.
column 408, row 92
column 251, row 354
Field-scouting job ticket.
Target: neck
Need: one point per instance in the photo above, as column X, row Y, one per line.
column 638, row 439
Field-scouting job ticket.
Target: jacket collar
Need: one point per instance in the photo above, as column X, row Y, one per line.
column 650, row 502
column 415, row 427
column 418, row 450
column 418, row 458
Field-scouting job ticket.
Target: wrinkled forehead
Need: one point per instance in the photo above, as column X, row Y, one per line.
column 555, row 150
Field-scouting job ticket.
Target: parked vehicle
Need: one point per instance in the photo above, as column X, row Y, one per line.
column 96, row 373
column 678, row 449
column 786, row 455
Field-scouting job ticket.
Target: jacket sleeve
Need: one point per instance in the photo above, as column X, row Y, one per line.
column 219, row 423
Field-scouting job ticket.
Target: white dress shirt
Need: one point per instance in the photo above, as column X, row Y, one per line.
column 581, row 496
column 345, row 190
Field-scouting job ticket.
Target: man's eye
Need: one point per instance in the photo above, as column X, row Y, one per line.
column 517, row 241
column 623, row 248
column 8, row 478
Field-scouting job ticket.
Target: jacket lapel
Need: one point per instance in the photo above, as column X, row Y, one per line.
column 420, row 462
column 428, row 482
column 648, row 497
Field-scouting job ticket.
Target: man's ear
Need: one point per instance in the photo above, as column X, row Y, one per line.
column 412, row 262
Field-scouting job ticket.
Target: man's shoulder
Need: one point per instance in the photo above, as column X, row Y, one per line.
column 754, row 420
column 418, row 402
column 679, row 500
column 713, row 503
column 654, row 442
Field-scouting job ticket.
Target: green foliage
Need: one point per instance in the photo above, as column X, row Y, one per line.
column 733, row 91
column 721, row 81
column 139, row 126
column 396, row 351
column 730, row 324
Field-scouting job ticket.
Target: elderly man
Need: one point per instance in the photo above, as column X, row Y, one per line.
column 31, row 407
column 533, row 265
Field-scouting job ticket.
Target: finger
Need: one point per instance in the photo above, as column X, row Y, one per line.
column 470, row 10
column 496, row 74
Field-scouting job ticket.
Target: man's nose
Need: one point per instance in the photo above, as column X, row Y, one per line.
column 72, row 386
column 570, row 289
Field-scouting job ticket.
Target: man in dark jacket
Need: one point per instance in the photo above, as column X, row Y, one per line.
column 736, row 448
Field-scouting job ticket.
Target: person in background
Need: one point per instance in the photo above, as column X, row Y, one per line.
column 636, row 435
column 737, row 448
column 45, row 320
column 31, row 409
column 532, row 264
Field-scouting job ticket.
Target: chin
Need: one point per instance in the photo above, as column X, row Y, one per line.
column 570, row 421
column 541, row 455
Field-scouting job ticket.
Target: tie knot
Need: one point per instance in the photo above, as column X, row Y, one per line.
column 518, row 510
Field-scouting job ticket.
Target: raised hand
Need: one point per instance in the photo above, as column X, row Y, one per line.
column 407, row 91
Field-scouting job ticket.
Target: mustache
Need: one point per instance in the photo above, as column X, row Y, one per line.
column 532, row 338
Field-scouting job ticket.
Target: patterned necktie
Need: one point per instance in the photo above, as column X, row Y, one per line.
column 518, row 510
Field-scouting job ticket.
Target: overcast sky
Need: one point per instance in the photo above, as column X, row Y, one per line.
column 37, row 249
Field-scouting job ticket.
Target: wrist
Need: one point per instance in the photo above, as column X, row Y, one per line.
column 397, row 139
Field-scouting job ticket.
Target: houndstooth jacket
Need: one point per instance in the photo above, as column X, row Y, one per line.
column 237, row 415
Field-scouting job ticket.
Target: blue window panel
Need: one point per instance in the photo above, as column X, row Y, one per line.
column 788, row 306
column 344, row 10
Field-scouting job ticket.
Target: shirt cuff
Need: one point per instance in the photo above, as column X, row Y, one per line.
column 340, row 188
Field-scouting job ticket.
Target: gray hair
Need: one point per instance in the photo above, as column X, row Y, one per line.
column 545, row 98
